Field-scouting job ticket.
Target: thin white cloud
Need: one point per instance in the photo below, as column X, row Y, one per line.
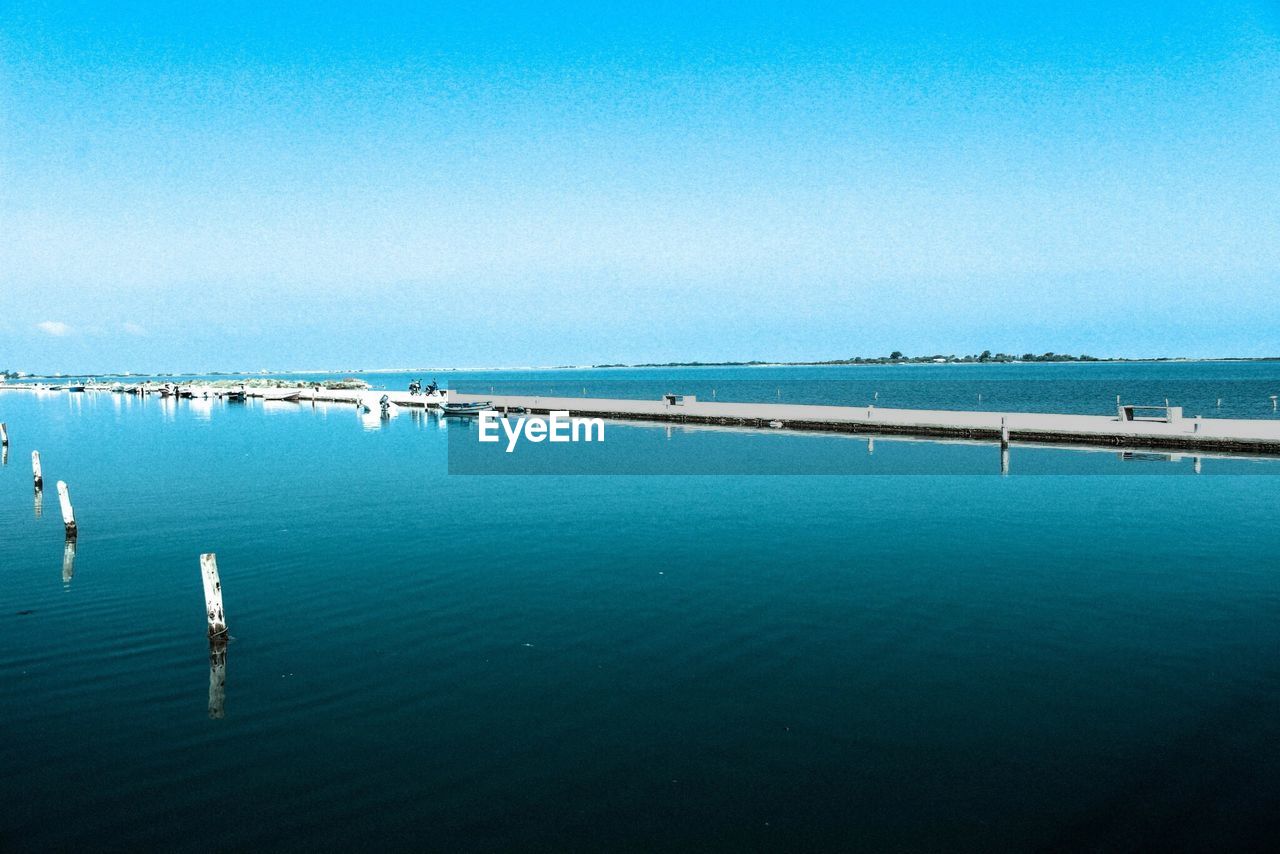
column 53, row 327
column 133, row 328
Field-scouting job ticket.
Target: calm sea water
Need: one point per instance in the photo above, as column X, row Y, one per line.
column 426, row 661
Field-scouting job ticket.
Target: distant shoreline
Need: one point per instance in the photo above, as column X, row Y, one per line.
column 875, row 362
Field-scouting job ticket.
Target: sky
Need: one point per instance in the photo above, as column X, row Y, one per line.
column 240, row 186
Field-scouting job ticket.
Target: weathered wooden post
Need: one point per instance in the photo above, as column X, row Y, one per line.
column 1273, row 403
column 213, row 596
column 4, row 434
column 36, row 474
column 68, row 515
column 1004, row 432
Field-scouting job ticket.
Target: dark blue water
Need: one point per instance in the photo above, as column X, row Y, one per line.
column 440, row 662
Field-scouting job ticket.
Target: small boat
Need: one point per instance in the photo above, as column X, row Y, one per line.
column 288, row 396
column 232, row 395
column 75, row 388
column 471, row 408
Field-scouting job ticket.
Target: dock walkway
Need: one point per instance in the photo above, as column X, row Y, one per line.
column 1210, row 435
column 1224, row 435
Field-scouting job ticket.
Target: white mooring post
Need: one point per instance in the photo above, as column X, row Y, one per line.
column 213, row 596
column 68, row 515
column 36, row 474
column 4, row 434
column 1004, row 432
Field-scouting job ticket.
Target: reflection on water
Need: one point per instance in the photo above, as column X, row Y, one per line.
column 39, row 502
column 68, row 561
column 217, row 677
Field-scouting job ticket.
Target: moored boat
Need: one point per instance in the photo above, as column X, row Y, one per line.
column 468, row 408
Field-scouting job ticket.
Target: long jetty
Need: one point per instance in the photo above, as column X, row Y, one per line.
column 1155, row 427
column 1166, row 430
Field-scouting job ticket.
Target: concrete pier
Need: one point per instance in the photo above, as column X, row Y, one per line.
column 1217, row 435
column 1131, row 427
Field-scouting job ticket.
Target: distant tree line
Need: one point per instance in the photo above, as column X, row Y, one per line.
column 897, row 357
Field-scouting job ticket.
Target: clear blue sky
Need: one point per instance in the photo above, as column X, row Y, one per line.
column 243, row 185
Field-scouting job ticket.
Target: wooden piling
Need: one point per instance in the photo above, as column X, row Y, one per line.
column 4, row 434
column 213, row 596
column 68, row 515
column 36, row 474
column 1004, row 433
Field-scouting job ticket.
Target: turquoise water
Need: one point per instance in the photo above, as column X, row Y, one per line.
column 583, row 663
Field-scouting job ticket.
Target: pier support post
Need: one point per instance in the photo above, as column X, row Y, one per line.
column 36, row 474
column 213, row 596
column 4, row 434
column 68, row 515
column 1004, row 432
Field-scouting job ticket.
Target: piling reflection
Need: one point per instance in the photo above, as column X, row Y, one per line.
column 4, row 455
column 39, row 502
column 217, row 677
column 68, row 561
column 1004, row 459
